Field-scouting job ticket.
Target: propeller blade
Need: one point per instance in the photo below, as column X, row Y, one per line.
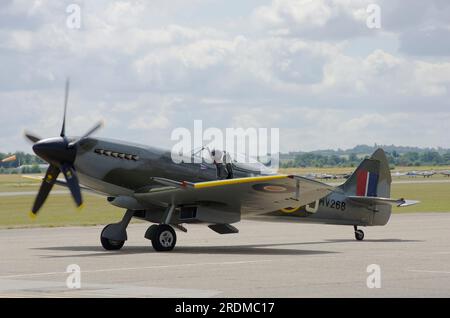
column 46, row 185
column 31, row 137
column 90, row 132
column 72, row 182
column 66, row 99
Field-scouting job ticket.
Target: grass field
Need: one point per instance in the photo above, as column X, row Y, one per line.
column 59, row 210
column 15, row 183
column 341, row 171
column 338, row 170
column 433, row 197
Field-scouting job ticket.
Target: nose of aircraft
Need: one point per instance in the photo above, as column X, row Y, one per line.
column 55, row 151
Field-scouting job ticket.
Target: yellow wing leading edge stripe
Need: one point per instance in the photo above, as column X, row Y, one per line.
column 218, row 183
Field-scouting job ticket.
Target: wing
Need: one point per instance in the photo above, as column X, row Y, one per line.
column 245, row 195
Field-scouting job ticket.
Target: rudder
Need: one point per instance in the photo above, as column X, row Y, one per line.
column 372, row 178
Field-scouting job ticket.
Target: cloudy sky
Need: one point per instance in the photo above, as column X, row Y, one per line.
column 311, row 68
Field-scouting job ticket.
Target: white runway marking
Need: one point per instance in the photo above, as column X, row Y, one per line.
column 25, row 193
column 427, row 271
column 34, row 288
column 135, row 268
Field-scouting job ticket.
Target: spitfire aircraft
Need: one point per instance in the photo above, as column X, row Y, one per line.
column 150, row 186
column 425, row 174
column 446, row 173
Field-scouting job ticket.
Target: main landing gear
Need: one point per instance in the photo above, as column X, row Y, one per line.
column 359, row 234
column 163, row 236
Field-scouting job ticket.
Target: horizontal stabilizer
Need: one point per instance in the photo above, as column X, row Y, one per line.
column 382, row 201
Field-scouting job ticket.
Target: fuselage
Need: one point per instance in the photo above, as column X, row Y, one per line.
column 118, row 167
column 120, row 170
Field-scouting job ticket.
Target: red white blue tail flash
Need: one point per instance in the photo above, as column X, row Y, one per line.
column 366, row 183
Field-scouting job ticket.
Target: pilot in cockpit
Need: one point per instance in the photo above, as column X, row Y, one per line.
column 228, row 164
column 217, row 157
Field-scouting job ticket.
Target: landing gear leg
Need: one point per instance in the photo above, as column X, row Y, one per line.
column 359, row 234
column 113, row 236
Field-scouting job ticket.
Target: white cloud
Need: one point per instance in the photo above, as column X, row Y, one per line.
column 314, row 19
column 307, row 13
column 145, row 66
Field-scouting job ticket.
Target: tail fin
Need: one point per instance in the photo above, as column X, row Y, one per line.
column 372, row 178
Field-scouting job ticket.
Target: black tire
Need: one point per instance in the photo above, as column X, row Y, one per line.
column 359, row 235
column 150, row 233
column 164, row 238
column 110, row 245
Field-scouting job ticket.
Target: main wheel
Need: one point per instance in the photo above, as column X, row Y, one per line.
column 108, row 244
column 164, row 238
column 359, row 235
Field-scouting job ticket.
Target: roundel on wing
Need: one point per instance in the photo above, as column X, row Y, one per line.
column 290, row 209
column 273, row 188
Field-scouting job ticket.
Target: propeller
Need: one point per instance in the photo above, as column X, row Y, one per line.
column 90, row 132
column 46, row 186
column 60, row 153
column 31, row 137
column 66, row 99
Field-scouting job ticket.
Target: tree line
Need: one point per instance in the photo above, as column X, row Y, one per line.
column 30, row 163
column 408, row 159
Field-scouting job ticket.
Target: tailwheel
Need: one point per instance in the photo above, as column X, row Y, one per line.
column 359, row 234
column 108, row 244
column 163, row 238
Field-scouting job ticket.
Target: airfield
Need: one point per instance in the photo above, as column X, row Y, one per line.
column 263, row 260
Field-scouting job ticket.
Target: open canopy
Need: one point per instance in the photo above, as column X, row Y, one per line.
column 239, row 160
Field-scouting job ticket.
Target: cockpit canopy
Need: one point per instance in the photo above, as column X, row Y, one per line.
column 239, row 160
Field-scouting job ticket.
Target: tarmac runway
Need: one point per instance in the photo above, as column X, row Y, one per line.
column 263, row 260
